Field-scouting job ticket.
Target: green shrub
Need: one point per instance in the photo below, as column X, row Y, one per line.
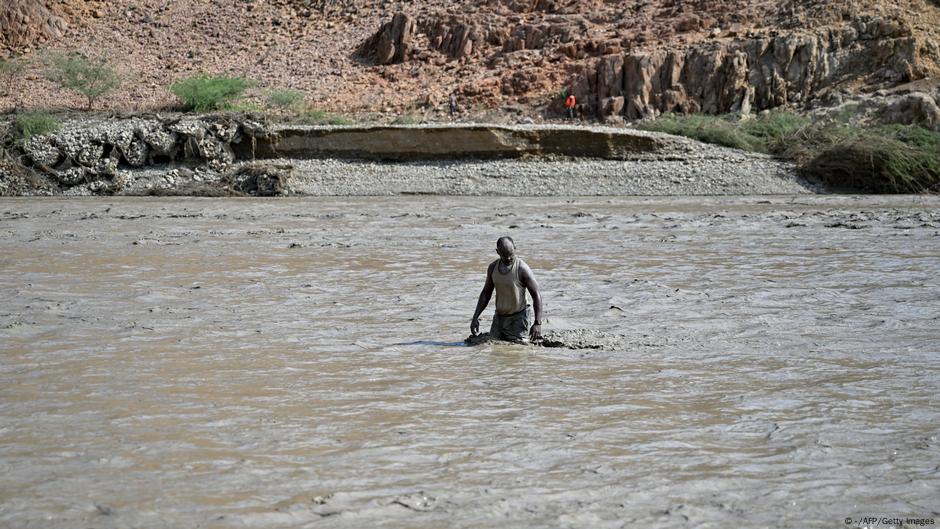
column 406, row 119
column 770, row 128
column 709, row 129
column 312, row 116
column 203, row 92
column 761, row 133
column 339, row 120
column 880, row 159
column 284, row 99
column 90, row 77
column 35, row 123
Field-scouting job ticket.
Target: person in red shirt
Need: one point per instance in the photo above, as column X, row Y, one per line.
column 570, row 103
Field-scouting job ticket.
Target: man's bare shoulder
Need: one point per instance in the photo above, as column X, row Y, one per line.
column 523, row 266
column 490, row 267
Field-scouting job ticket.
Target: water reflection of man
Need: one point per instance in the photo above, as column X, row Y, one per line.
column 510, row 277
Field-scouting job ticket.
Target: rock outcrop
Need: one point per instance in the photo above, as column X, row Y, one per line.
column 911, row 104
column 260, row 179
column 755, row 73
column 916, row 108
column 392, row 43
column 454, row 36
column 639, row 60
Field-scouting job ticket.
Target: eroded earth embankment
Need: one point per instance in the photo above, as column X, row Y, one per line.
column 225, row 155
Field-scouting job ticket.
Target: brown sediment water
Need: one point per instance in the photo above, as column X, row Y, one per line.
column 761, row 362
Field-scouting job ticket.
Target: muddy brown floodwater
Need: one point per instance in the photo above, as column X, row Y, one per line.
column 763, row 362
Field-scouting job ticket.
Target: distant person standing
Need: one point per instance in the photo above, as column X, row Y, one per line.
column 570, row 104
column 453, row 105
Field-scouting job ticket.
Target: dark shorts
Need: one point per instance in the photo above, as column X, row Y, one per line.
column 512, row 327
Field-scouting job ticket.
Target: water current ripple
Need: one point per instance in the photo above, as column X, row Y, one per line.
column 770, row 361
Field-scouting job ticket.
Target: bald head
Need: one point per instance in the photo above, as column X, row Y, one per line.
column 506, row 248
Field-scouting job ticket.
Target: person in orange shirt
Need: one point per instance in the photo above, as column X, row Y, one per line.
column 570, row 103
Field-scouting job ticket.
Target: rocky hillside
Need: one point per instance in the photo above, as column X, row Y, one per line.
column 622, row 59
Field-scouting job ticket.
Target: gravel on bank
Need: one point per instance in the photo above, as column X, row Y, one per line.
column 730, row 175
column 708, row 170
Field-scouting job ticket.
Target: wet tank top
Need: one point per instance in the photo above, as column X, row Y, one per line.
column 510, row 292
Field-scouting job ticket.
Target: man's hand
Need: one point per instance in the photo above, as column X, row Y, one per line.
column 535, row 332
column 475, row 326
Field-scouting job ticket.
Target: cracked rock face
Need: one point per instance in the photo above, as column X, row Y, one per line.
column 161, row 142
column 748, row 73
column 638, row 60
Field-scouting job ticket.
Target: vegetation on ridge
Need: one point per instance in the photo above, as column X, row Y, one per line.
column 90, row 77
column 31, row 124
column 284, row 99
column 842, row 154
column 203, row 92
column 760, row 134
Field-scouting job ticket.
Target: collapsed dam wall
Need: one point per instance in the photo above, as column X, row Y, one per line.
column 95, row 151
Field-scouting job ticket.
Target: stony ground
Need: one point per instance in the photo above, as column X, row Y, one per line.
column 713, row 171
column 729, row 173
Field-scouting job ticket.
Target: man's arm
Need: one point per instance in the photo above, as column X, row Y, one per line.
column 528, row 280
column 484, row 300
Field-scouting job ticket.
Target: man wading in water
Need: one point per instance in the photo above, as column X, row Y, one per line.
column 510, row 277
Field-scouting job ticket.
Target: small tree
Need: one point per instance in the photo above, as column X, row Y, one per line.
column 9, row 70
column 90, row 77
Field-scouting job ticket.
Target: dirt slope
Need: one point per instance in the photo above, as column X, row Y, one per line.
column 512, row 56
